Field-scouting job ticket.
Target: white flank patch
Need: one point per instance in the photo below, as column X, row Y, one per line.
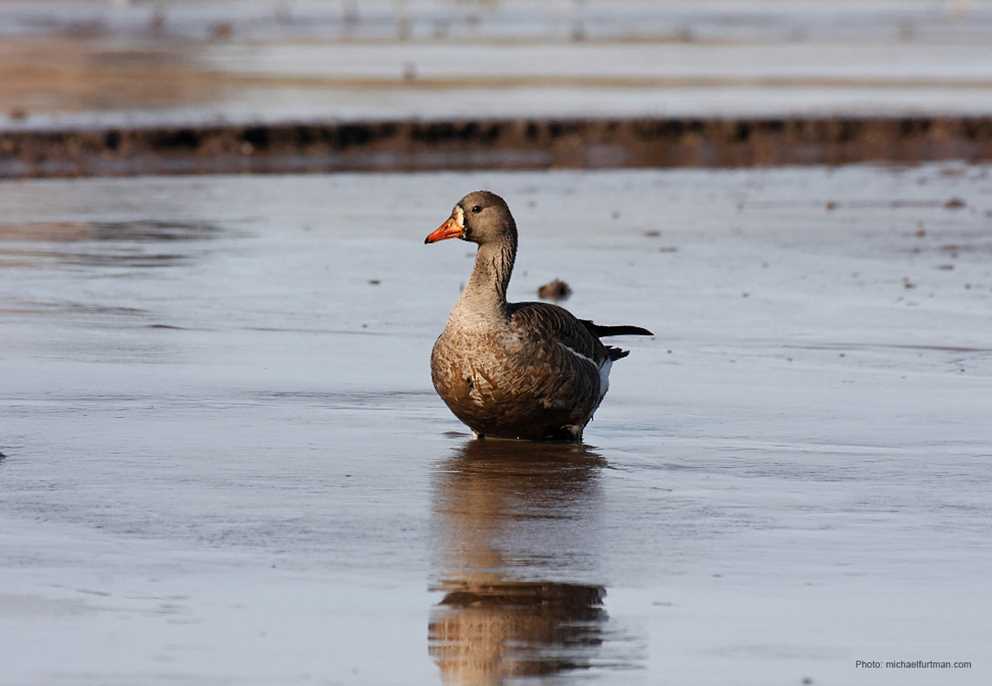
column 604, row 379
column 603, row 369
column 578, row 354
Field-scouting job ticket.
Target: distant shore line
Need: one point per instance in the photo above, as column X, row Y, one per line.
column 511, row 143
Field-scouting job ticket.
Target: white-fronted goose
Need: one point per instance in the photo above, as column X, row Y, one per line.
column 515, row 370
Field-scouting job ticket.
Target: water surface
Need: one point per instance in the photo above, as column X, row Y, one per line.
column 225, row 462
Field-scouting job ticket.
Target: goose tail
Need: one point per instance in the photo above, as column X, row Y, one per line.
column 601, row 331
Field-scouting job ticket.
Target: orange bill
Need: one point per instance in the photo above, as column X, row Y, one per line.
column 449, row 229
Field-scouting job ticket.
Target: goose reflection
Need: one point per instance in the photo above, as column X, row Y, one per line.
column 508, row 516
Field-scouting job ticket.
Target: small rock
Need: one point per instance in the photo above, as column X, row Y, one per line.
column 222, row 30
column 907, row 283
column 157, row 22
column 945, row 267
column 653, row 233
column 374, row 282
column 831, row 205
column 920, row 231
column 954, row 204
column 554, row 290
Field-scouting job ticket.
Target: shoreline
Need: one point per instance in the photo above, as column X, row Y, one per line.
column 404, row 145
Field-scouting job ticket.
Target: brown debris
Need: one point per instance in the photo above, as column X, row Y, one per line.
column 954, row 204
column 222, row 31
column 157, row 22
column 554, row 290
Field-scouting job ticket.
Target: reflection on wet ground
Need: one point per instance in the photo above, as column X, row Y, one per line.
column 490, row 632
column 139, row 230
column 121, row 243
column 502, row 509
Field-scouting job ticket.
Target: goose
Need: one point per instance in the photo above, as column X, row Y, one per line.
column 525, row 370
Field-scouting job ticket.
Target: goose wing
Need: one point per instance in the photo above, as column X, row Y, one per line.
column 553, row 325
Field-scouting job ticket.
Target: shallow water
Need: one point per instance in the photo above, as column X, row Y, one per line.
column 225, row 462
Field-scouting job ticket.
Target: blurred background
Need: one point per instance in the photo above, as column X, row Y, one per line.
column 78, row 64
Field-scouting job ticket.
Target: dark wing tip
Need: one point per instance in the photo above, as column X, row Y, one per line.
column 616, row 353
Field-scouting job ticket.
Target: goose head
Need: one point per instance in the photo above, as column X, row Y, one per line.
column 480, row 217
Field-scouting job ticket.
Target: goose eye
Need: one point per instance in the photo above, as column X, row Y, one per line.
column 476, row 209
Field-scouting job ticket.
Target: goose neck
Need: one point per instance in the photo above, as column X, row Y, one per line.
column 485, row 292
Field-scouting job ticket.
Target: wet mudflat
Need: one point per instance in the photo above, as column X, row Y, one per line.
column 225, row 463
